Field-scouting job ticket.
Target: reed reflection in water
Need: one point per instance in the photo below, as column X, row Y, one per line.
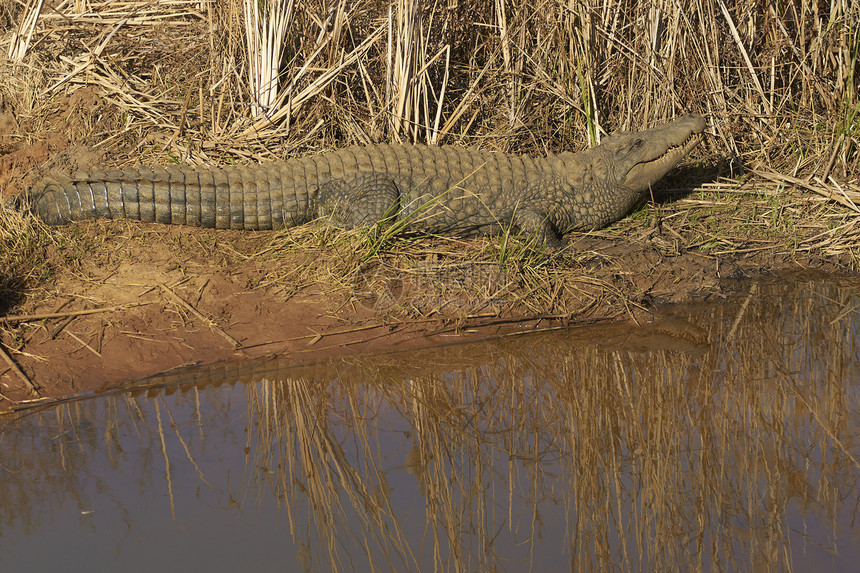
column 726, row 437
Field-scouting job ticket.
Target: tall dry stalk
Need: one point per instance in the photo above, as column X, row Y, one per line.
column 413, row 97
column 21, row 38
column 266, row 25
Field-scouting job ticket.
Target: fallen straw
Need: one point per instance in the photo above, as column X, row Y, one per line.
column 30, row 386
column 16, row 318
column 181, row 302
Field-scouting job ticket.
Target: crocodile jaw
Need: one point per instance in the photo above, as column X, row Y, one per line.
column 643, row 158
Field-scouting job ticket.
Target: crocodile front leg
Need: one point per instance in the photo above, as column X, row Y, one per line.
column 538, row 225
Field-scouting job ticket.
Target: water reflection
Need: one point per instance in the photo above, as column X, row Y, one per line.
column 723, row 437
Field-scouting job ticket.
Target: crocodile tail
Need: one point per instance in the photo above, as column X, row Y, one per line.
column 250, row 198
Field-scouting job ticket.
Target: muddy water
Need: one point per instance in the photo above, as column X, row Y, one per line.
column 722, row 436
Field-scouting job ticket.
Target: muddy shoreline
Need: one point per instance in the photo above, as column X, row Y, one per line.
column 149, row 298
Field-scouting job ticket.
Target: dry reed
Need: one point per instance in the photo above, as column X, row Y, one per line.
column 779, row 85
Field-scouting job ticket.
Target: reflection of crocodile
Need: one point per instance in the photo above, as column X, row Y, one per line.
column 445, row 190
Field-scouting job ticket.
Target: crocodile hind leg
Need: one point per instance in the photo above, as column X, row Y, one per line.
column 351, row 204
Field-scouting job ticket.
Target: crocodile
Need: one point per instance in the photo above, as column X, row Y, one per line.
column 443, row 190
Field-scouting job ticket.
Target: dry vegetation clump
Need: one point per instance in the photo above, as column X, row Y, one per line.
column 213, row 83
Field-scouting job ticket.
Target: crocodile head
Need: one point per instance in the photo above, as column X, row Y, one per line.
column 640, row 159
column 609, row 180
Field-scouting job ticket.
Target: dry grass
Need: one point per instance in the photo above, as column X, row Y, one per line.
column 22, row 249
column 415, row 276
column 253, row 80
